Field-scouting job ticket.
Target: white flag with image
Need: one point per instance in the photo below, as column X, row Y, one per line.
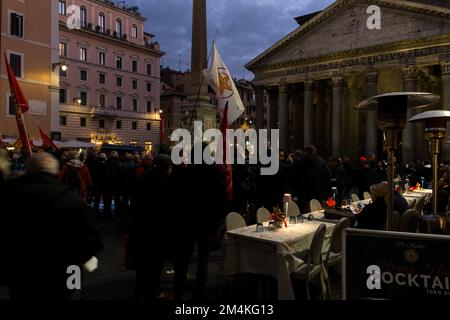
column 219, row 78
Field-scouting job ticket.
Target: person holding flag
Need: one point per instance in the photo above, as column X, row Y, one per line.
column 230, row 106
column 202, row 208
column 21, row 107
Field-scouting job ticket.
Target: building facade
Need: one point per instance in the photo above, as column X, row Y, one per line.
column 247, row 93
column 174, row 94
column 319, row 72
column 111, row 89
column 31, row 51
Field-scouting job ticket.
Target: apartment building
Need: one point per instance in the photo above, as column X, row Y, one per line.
column 29, row 38
column 110, row 92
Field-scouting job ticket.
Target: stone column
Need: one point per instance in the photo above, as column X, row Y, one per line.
column 259, row 93
column 445, row 98
column 409, row 81
column 320, row 123
column 283, row 116
column 308, row 117
column 371, row 118
column 199, row 53
column 337, row 133
column 273, row 100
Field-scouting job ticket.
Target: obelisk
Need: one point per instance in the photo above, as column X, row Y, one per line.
column 198, row 105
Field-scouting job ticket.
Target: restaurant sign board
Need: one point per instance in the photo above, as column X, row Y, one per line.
column 395, row 265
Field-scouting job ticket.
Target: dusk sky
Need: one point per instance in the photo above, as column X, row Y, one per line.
column 245, row 28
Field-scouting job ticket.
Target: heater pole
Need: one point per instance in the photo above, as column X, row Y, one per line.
column 436, row 145
column 391, row 142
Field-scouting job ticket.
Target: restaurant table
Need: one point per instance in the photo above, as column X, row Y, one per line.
column 428, row 193
column 249, row 251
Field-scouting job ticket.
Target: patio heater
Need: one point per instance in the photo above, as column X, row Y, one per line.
column 435, row 131
column 392, row 109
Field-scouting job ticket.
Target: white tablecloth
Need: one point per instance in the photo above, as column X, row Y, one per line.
column 248, row 251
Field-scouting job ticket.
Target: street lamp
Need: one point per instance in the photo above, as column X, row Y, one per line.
column 435, row 131
column 77, row 100
column 391, row 109
column 64, row 67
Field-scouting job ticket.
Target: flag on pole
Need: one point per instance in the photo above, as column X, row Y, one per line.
column 230, row 106
column 47, row 143
column 226, row 167
column 21, row 106
column 219, row 78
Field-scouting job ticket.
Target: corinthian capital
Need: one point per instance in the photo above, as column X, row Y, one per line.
column 445, row 67
column 338, row 81
column 409, row 73
column 372, row 76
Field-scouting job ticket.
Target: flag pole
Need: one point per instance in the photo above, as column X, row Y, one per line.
column 20, row 106
column 22, row 130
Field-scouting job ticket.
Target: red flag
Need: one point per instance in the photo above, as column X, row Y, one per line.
column 21, row 106
column 47, row 143
column 16, row 91
column 226, row 167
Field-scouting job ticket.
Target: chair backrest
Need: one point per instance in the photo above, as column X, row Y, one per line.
column 315, row 249
column 355, row 197
column 314, row 205
column 413, row 203
column 419, row 205
column 409, row 221
column 234, row 221
column 336, row 236
column 367, row 195
column 293, row 209
column 263, row 215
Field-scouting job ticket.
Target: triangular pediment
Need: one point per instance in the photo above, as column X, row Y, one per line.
column 343, row 27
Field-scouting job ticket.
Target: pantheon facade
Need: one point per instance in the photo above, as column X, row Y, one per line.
column 320, row 71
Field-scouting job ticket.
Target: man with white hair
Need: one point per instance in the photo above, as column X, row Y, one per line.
column 44, row 229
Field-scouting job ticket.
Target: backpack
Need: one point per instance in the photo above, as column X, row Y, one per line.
column 72, row 179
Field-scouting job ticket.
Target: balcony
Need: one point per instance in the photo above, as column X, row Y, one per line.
column 104, row 112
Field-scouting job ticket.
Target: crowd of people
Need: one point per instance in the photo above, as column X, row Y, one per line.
column 51, row 201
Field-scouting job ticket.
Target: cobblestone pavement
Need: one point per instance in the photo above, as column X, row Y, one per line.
column 112, row 282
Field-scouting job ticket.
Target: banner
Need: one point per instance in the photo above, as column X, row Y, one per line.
column 395, row 265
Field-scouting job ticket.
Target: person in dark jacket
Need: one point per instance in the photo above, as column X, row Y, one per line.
column 99, row 179
column 340, row 179
column 152, row 209
column 315, row 178
column 44, row 229
column 5, row 167
column 201, row 195
column 374, row 215
column 112, row 184
column 366, row 176
column 75, row 174
column 443, row 195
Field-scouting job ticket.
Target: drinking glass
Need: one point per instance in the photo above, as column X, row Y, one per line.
column 259, row 227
